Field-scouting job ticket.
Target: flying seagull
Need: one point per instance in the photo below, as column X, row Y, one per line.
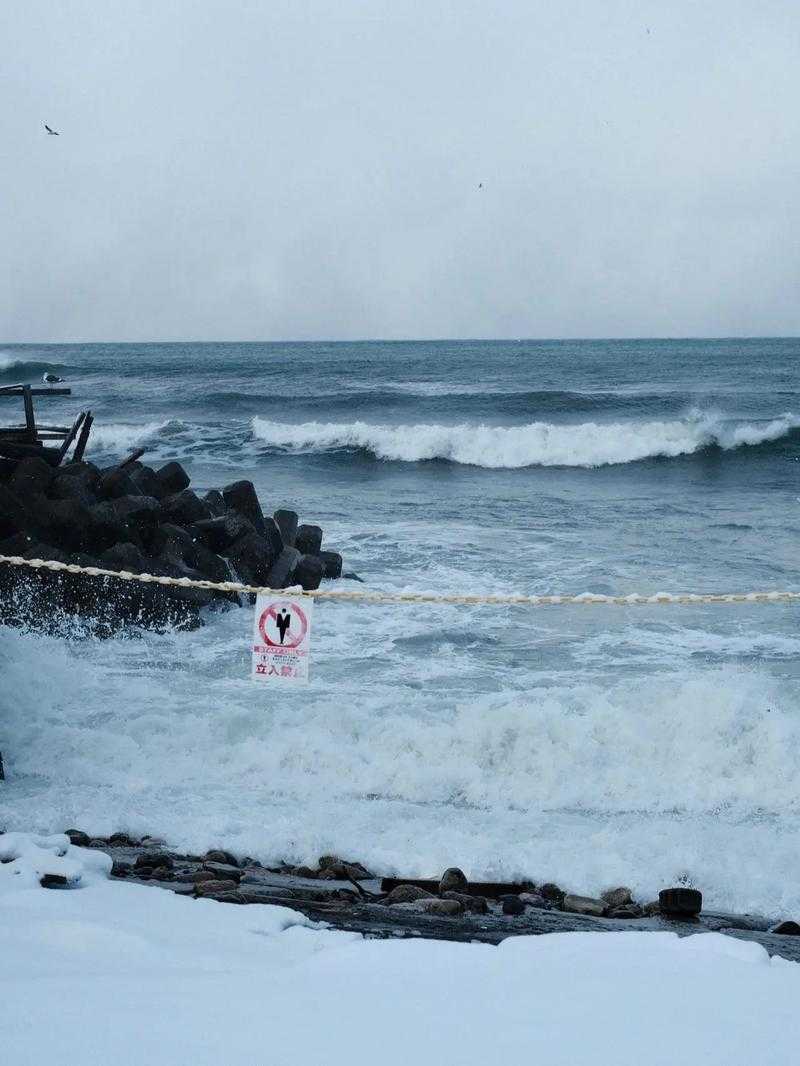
column 51, row 379
column 53, row 133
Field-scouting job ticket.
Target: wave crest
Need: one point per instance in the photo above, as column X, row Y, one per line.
column 588, row 444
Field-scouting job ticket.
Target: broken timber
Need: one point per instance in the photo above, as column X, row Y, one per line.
column 28, row 440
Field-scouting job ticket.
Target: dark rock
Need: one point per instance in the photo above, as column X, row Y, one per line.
column 78, row 838
column 215, row 502
column 209, row 565
column 332, row 563
column 32, row 476
column 162, row 873
column 223, row 870
column 308, row 539
column 98, row 843
column 219, row 533
column 53, row 881
column 153, row 860
column 342, row 871
column 407, row 894
column 208, row 875
column 273, row 536
column 116, row 481
column 584, row 905
column 173, row 478
column 474, row 904
column 281, row 573
column 84, row 470
column 308, row 572
column 184, row 508
column 120, row 840
column 303, row 871
column 17, row 544
column 287, row 524
column 137, row 510
column 513, row 905
column 453, row 880
column 651, row 908
column 65, row 524
column 225, row 857
column 219, row 890
column 445, row 908
column 680, row 902
column 169, row 539
column 552, row 892
column 14, row 515
column 148, row 482
column 626, row 910
column 125, row 556
column 617, row 897
column 241, row 496
column 107, row 526
column 121, row 869
column 251, row 558
column 71, row 488
column 789, row 928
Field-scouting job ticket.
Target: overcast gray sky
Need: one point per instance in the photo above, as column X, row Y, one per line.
column 269, row 170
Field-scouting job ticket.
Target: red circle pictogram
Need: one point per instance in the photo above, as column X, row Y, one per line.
column 293, row 640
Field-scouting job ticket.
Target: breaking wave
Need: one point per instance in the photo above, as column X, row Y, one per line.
column 119, row 436
column 588, row 444
column 19, row 366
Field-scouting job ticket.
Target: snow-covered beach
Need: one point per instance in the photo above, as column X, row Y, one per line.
column 112, row 972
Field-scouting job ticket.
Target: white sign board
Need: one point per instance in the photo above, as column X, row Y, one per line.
column 281, row 638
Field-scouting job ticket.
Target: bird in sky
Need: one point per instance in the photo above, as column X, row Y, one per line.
column 53, row 133
column 51, row 379
column 480, row 184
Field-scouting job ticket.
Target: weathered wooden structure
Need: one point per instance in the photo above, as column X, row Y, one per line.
column 31, row 438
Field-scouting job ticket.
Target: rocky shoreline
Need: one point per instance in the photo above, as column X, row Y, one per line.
column 346, row 895
column 143, row 520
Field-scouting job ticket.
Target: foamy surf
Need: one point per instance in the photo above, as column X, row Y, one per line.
column 588, row 444
column 119, row 436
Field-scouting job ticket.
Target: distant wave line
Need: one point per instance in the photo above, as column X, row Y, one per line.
column 587, row 444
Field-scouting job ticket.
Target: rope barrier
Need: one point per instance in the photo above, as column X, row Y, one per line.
column 583, row 599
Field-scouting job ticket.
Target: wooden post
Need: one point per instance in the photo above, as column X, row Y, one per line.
column 80, row 447
column 62, row 451
column 30, row 419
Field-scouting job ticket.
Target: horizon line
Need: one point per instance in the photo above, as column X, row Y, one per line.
column 423, row 340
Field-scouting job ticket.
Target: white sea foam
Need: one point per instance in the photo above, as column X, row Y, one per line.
column 119, row 436
column 694, row 773
column 588, row 444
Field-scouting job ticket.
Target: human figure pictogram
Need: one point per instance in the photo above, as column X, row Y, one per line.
column 283, row 621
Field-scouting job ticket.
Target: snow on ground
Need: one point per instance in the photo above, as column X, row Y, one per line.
column 118, row 973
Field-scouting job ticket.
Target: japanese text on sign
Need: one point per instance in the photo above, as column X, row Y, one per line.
column 281, row 638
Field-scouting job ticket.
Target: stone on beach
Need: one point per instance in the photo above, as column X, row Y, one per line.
column 453, row 880
column 584, row 905
column 407, row 894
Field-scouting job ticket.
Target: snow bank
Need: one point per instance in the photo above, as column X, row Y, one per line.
column 25, row 860
column 126, row 974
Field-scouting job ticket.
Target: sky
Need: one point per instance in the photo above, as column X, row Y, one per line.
column 253, row 170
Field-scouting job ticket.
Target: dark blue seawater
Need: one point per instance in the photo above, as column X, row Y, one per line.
column 586, row 743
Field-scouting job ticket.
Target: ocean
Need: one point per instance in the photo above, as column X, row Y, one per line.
column 592, row 746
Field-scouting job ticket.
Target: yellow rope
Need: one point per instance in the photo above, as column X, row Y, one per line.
column 583, row 599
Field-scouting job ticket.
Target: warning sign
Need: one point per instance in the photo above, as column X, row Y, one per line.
column 281, row 638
